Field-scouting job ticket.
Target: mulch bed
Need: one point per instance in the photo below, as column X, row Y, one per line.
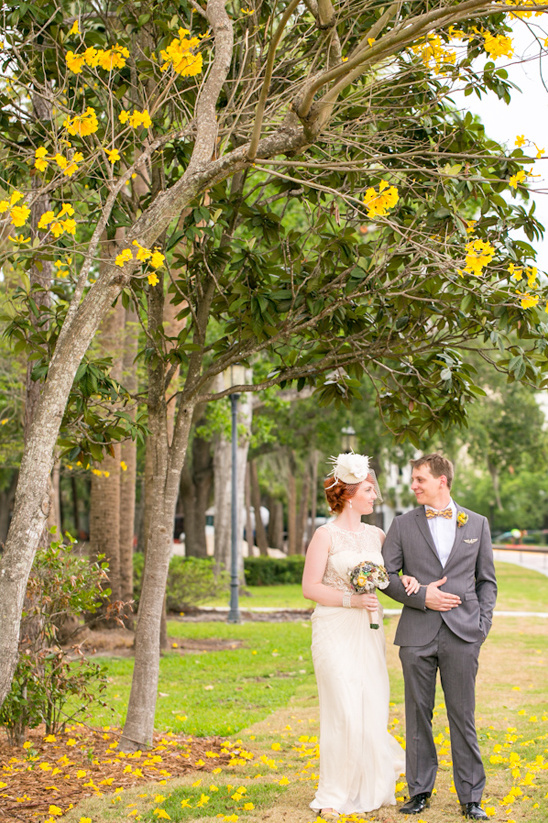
column 83, row 761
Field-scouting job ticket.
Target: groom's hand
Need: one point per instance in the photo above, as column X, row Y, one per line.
column 440, row 601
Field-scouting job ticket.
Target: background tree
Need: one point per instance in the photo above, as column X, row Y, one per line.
column 376, row 275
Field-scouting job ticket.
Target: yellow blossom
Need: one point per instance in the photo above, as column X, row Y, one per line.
column 161, row 814
column 55, row 810
column 123, row 258
column 153, row 281
column 180, row 55
column 520, row 140
column 519, row 177
column 19, row 215
column 433, row 53
column 73, row 165
column 75, row 30
column 143, row 254
column 515, row 272
column 82, row 124
column 91, row 58
column 479, row 254
column 113, row 58
column 497, row 45
column 69, row 226
column 75, row 62
column 157, row 259
column 40, row 162
column 113, row 155
column 378, row 203
column 528, row 301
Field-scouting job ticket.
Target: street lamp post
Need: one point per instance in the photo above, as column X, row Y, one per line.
column 349, row 439
column 234, row 376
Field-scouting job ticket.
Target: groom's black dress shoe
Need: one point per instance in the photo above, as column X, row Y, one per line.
column 474, row 811
column 416, row 804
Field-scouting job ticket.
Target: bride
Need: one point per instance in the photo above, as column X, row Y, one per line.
column 359, row 760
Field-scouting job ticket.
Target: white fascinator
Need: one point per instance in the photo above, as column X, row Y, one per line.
column 352, row 469
column 349, row 468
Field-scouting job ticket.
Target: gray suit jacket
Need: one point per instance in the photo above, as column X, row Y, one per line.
column 470, row 572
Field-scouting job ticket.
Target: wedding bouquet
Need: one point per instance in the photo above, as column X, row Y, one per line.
column 364, row 579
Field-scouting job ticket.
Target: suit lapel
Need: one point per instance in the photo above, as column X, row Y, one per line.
column 460, row 533
column 422, row 523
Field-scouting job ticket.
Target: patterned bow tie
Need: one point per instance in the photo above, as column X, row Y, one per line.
column 447, row 513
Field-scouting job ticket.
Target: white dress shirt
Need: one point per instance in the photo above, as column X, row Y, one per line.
column 443, row 531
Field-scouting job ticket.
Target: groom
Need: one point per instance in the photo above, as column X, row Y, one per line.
column 442, row 626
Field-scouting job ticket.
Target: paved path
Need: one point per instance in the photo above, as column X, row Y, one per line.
column 274, row 613
column 538, row 561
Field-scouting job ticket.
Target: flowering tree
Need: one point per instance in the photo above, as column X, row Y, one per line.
column 295, row 180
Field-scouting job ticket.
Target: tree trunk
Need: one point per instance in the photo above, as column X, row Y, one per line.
column 260, row 533
column 291, row 506
column 104, row 519
column 311, row 526
column 6, row 502
column 302, row 517
column 196, row 483
column 276, row 524
column 104, row 516
column 75, row 506
column 166, row 464
column 249, row 537
column 128, row 475
column 222, row 502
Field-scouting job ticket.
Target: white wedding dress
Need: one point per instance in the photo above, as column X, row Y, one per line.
column 359, row 760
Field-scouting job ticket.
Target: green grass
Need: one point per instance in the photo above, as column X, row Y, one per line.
column 226, row 801
column 218, row 692
column 262, row 665
column 264, row 693
column 288, row 596
column 519, row 590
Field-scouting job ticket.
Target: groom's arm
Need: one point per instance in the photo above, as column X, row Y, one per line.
column 486, row 581
column 394, row 561
column 429, row 596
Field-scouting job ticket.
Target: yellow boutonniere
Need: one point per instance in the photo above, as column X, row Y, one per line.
column 462, row 519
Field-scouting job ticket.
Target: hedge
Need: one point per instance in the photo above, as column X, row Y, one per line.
column 273, row 571
column 190, row 581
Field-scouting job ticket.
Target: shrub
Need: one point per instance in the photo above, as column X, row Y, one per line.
column 61, row 586
column 273, row 571
column 190, row 581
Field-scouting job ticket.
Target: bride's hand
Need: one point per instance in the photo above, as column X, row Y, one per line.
column 368, row 601
column 410, row 584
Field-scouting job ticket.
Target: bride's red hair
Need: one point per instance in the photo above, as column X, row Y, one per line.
column 337, row 494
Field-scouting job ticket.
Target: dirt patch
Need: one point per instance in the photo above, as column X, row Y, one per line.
column 119, row 643
column 60, row 770
column 187, row 645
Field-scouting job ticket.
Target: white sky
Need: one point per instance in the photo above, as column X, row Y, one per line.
column 527, row 114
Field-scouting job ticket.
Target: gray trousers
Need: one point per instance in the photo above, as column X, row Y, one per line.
column 457, row 662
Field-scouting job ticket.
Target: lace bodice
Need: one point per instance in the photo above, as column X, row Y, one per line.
column 347, row 549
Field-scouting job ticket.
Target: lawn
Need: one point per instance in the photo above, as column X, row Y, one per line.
column 254, row 684
column 519, row 590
